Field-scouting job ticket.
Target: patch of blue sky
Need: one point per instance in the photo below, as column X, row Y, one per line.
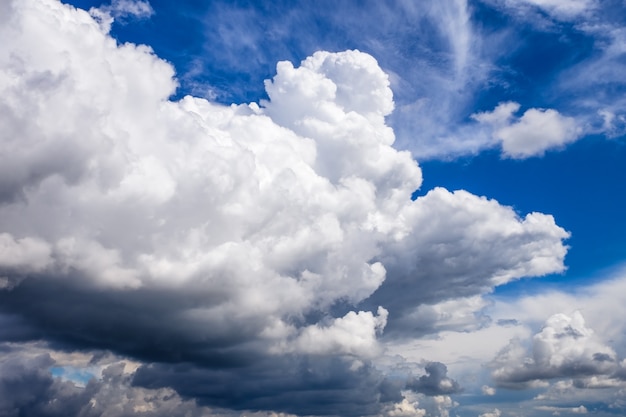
column 78, row 376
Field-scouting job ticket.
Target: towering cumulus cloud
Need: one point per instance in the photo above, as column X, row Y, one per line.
column 247, row 256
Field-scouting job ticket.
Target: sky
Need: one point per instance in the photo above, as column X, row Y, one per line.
column 297, row 208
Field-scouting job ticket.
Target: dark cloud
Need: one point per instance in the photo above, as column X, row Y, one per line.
column 27, row 388
column 435, row 382
column 217, row 368
column 303, row 385
column 146, row 324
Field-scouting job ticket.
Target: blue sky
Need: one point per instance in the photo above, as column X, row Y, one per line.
column 313, row 208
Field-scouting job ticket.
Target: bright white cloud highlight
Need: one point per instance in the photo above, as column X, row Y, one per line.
column 353, row 334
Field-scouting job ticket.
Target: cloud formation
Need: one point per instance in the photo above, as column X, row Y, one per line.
column 536, row 131
column 27, row 387
column 435, row 382
column 565, row 347
column 248, row 256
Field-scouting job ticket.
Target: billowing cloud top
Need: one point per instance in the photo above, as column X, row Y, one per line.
column 242, row 239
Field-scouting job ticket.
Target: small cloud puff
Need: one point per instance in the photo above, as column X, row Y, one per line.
column 535, row 132
column 435, row 382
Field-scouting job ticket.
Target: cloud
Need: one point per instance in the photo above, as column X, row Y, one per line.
column 238, row 253
column 27, row 387
column 304, row 385
column 435, row 382
column 495, row 413
column 470, row 244
column 127, row 8
column 606, row 292
column 487, row 390
column 564, row 347
column 558, row 410
column 560, row 9
column 121, row 11
column 355, row 334
column 536, row 131
column 406, row 409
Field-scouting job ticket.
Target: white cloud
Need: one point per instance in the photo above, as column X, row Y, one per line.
column 353, row 334
column 565, row 347
column 495, row 413
column 487, row 390
column 536, row 131
column 25, row 254
column 604, row 294
column 405, row 409
column 211, row 228
column 471, row 243
column 581, row 409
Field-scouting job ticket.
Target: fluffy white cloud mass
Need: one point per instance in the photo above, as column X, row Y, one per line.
column 536, row 131
column 565, row 347
column 220, row 235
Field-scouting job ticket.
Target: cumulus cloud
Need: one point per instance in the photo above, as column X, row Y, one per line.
column 406, row 409
column 487, row 390
column 354, row 334
column 565, row 347
column 461, row 245
column 435, row 382
column 536, row 131
column 238, row 252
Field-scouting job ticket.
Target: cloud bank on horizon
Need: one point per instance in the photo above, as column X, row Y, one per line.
column 165, row 256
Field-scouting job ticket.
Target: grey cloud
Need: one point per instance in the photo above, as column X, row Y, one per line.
column 145, row 324
column 456, row 252
column 603, row 357
column 564, row 348
column 435, row 382
column 507, row 322
column 27, row 388
column 304, row 385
